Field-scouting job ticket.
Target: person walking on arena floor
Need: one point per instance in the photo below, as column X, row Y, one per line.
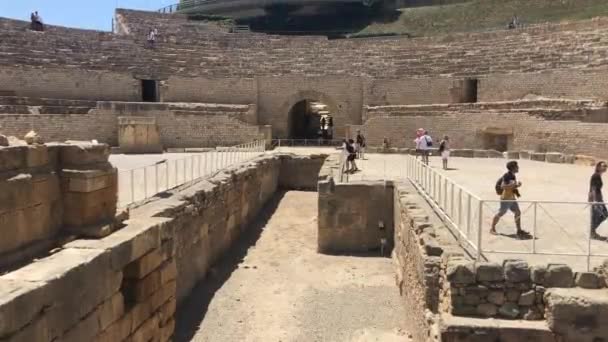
column 444, row 151
column 507, row 187
column 360, row 145
column 599, row 213
column 423, row 144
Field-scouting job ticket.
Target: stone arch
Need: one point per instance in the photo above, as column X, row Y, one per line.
column 302, row 95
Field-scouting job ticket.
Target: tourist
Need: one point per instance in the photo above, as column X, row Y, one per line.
column 514, row 23
column 330, row 127
column 36, row 24
column 599, row 213
column 507, row 187
column 444, row 151
column 423, row 144
column 351, row 166
column 152, row 38
column 360, row 145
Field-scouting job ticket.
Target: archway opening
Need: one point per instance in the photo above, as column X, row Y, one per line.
column 310, row 119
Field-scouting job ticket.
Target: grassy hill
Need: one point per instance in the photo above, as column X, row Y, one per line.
column 480, row 15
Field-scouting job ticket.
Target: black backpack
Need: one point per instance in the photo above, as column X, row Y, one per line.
column 498, row 186
column 429, row 142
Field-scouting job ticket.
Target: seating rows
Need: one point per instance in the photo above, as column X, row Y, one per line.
column 222, row 54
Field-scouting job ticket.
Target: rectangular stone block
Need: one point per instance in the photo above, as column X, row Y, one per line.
column 88, row 180
column 83, row 154
column 144, row 265
column 13, row 158
column 37, row 156
column 132, row 242
column 95, row 322
column 153, row 304
column 20, row 302
column 90, row 208
column 138, row 290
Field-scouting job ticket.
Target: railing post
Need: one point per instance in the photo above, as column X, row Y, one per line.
column 452, row 201
column 468, row 214
column 589, row 244
column 533, row 229
column 176, row 171
column 156, row 178
column 167, row 174
column 480, row 230
column 192, row 167
column 145, row 182
column 445, row 193
column 132, row 185
column 459, row 208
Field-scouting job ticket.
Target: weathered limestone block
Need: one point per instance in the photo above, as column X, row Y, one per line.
column 537, row 273
column 20, row 303
column 569, row 158
column 465, row 153
column 494, row 154
column 516, row 271
column 584, row 160
column 139, row 135
column 487, row 310
column 487, row 271
column 525, row 154
column 554, row 157
column 497, row 297
column 144, row 265
column 578, row 314
column 512, row 155
column 460, row 272
column 97, row 321
column 3, row 140
column 589, row 280
column 130, row 243
column 91, row 208
column 33, row 138
column 480, row 153
column 509, row 310
column 559, row 276
column 13, row 158
column 75, row 155
column 88, row 180
column 538, row 156
column 527, row 298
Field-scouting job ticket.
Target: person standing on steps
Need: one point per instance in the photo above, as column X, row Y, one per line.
column 152, row 38
column 599, row 213
column 507, row 187
column 444, row 151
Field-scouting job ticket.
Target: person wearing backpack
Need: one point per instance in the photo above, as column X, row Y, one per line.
column 423, row 143
column 507, row 187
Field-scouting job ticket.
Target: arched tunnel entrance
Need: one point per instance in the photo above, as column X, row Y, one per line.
column 310, row 119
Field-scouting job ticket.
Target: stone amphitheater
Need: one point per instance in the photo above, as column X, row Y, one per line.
column 279, row 245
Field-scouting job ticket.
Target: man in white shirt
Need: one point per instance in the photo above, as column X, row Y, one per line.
column 423, row 145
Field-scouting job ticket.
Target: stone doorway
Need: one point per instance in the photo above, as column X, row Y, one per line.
column 149, row 91
column 309, row 119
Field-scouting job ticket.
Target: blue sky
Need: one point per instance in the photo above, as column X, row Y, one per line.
column 90, row 14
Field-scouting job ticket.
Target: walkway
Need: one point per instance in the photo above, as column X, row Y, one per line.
column 275, row 287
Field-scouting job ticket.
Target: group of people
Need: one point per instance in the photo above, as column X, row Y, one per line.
column 507, row 187
column 353, row 149
column 36, row 22
column 424, row 144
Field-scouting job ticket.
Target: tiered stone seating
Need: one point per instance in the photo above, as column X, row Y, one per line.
column 28, row 105
column 211, row 53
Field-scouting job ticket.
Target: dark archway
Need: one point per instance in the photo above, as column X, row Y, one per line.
column 309, row 119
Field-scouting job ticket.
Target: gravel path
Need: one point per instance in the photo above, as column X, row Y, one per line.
column 276, row 287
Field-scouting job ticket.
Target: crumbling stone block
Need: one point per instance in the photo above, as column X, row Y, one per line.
column 527, row 298
column 538, row 156
column 516, row 271
column 559, row 275
column 460, row 272
column 554, row 157
column 538, row 274
column 497, row 297
column 577, row 314
column 509, row 310
column 488, row 271
column 487, row 309
column 588, row 280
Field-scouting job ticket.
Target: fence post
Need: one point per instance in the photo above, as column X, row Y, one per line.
column 145, row 182
column 167, row 174
column 132, row 185
column 460, row 207
column 156, row 177
column 452, row 201
column 176, row 171
column 534, row 229
column 589, row 244
column 480, row 230
column 468, row 214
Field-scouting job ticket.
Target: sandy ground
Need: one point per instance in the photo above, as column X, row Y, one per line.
column 275, row 287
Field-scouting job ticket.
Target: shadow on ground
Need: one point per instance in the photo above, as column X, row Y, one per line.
column 192, row 312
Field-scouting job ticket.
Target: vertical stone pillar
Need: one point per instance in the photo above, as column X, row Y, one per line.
column 139, row 135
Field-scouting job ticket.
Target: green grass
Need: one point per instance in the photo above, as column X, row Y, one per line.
column 480, row 15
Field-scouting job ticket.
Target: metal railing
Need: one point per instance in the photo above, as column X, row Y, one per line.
column 184, row 4
column 557, row 228
column 306, row 142
column 141, row 183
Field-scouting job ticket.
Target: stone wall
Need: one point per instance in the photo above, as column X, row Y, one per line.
column 180, row 124
column 355, row 217
column 126, row 286
column 51, row 191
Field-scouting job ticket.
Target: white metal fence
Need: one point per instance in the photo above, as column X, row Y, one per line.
column 141, row 183
column 558, row 229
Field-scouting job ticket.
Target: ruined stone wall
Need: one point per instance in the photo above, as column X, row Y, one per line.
column 355, row 217
column 52, row 191
column 526, row 131
column 180, row 125
column 126, row 285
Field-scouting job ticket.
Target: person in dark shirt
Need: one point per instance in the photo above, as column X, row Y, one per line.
column 360, row 146
column 599, row 213
column 350, row 147
column 508, row 199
